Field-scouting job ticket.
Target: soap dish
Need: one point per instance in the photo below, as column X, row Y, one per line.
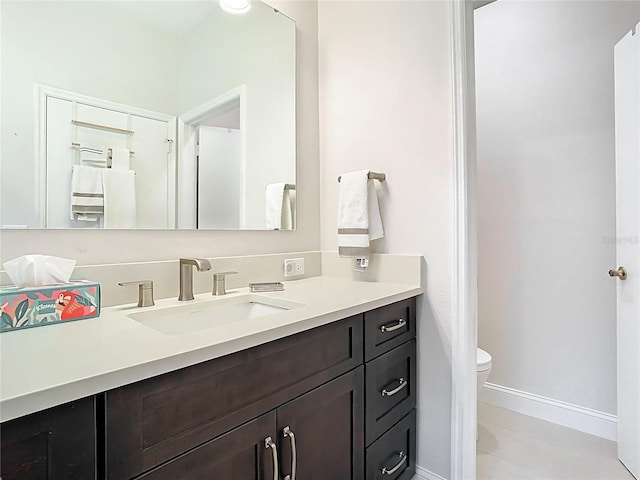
column 266, row 287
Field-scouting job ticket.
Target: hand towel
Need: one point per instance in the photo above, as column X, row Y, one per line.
column 120, row 158
column 119, row 198
column 359, row 219
column 279, row 213
column 87, row 198
column 292, row 198
column 93, row 156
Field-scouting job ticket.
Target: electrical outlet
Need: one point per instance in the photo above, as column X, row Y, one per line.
column 293, row 266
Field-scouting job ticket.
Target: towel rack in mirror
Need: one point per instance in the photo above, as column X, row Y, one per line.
column 109, row 150
column 374, row 176
column 102, row 127
column 289, row 186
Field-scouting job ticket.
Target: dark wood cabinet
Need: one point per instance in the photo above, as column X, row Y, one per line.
column 54, row 444
column 327, row 425
column 153, row 421
column 324, row 427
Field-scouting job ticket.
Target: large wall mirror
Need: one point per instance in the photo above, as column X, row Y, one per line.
column 147, row 114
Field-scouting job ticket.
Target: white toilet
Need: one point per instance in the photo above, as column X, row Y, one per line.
column 483, row 369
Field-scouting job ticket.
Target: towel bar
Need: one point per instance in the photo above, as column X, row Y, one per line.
column 102, row 127
column 374, row 176
column 110, row 150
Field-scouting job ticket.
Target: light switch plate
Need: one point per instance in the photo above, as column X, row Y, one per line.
column 293, row 266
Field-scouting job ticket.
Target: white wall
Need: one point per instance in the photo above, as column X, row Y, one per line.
column 126, row 246
column 47, row 47
column 385, row 105
column 546, row 195
column 264, row 40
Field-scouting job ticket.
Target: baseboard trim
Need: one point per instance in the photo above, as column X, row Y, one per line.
column 424, row 474
column 562, row 413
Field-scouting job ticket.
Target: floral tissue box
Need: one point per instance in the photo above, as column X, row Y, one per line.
column 37, row 306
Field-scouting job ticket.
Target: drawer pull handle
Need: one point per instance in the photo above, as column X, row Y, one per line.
column 268, row 443
column 389, row 393
column 287, row 432
column 393, row 326
column 403, row 460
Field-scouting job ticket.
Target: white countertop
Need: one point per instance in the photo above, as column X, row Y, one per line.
column 47, row 366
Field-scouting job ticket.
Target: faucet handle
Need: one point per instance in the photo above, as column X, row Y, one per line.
column 219, row 275
column 219, row 287
column 145, row 291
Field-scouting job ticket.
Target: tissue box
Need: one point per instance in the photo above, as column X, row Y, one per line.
column 37, row 306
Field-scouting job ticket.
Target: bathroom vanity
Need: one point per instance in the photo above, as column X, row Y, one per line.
column 334, row 401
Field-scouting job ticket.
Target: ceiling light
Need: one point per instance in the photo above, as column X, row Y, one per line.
column 235, row 6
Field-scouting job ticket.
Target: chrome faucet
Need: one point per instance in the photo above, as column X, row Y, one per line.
column 186, row 275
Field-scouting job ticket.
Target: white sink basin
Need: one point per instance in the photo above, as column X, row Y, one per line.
column 195, row 316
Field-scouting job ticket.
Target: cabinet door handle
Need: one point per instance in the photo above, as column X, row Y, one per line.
column 388, row 393
column 403, row 460
column 287, row 432
column 268, row 443
column 393, row 326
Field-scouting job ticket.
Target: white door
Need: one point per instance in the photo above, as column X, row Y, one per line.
column 627, row 104
column 219, row 178
column 153, row 162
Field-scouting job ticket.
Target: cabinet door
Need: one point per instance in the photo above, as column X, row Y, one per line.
column 54, row 444
column 328, row 426
column 241, row 454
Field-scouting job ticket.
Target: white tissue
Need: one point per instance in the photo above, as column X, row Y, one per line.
column 37, row 270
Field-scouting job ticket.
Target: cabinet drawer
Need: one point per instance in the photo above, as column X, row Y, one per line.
column 393, row 456
column 387, row 327
column 390, row 389
column 152, row 421
column 241, row 454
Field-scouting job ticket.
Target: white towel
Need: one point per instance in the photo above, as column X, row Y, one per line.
column 292, row 199
column 93, row 156
column 359, row 219
column 87, row 199
column 279, row 211
column 120, row 158
column 119, row 198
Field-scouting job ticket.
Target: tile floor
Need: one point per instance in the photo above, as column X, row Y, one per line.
column 517, row 447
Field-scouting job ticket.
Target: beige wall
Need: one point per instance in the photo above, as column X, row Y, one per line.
column 385, row 105
column 546, row 195
column 96, row 247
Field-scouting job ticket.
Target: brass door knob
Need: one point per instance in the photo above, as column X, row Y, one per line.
column 621, row 273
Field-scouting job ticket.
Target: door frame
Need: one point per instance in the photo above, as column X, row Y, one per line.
column 187, row 201
column 465, row 287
